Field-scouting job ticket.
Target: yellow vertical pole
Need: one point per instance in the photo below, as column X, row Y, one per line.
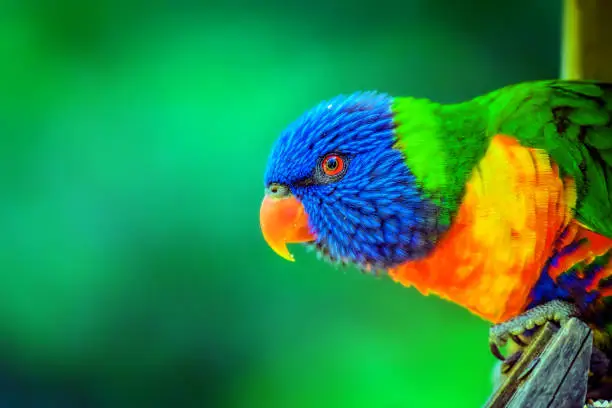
column 587, row 40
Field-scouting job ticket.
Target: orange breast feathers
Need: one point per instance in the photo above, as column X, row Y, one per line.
column 514, row 207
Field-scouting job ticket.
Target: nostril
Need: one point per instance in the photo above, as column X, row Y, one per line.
column 277, row 190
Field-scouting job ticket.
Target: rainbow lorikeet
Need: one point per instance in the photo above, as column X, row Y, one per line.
column 501, row 204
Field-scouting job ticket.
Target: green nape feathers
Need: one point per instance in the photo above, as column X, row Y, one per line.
column 435, row 142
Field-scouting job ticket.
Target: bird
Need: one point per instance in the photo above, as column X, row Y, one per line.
column 501, row 204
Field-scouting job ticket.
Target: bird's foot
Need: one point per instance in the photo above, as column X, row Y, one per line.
column 556, row 311
column 597, row 404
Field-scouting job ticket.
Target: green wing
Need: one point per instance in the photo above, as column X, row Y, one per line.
column 572, row 121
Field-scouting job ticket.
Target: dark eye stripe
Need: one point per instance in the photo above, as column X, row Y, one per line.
column 305, row 182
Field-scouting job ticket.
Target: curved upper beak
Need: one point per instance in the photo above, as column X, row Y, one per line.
column 284, row 221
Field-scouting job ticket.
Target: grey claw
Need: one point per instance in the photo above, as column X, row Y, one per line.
column 511, row 361
column 496, row 352
column 517, row 340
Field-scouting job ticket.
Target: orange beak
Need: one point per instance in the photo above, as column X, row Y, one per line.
column 284, row 221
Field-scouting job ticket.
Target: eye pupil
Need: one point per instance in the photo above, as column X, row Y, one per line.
column 332, row 163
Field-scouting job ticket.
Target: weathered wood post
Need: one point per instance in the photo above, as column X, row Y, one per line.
column 552, row 372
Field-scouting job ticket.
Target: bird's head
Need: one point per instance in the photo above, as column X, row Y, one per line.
column 337, row 180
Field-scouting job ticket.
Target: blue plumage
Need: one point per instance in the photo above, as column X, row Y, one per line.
column 573, row 284
column 375, row 215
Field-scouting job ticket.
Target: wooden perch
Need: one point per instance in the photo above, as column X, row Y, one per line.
column 552, row 372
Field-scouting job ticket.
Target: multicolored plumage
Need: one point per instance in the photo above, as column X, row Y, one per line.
column 500, row 204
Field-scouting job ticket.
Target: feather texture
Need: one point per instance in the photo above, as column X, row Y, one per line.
column 502, row 235
column 498, row 203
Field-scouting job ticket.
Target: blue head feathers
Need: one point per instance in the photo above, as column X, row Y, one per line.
column 362, row 201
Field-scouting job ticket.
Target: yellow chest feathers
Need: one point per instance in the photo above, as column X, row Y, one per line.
column 514, row 206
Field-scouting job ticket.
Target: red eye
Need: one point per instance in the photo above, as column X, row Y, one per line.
column 333, row 165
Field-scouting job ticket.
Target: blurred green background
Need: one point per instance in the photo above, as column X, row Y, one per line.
column 134, row 139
